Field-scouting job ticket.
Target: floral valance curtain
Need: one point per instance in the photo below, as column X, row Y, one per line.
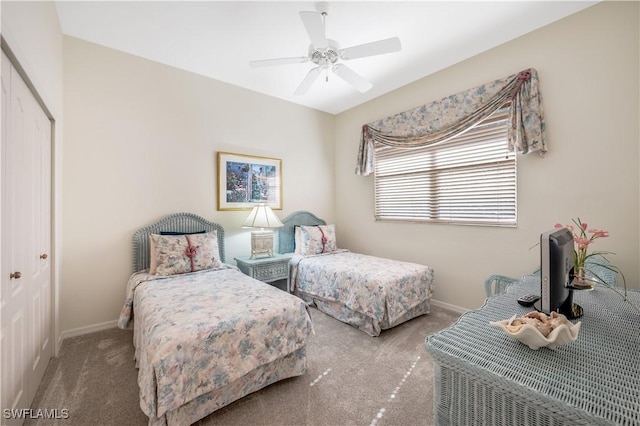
column 443, row 119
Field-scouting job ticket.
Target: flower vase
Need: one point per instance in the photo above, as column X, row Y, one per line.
column 583, row 279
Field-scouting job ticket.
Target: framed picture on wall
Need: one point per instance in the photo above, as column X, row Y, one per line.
column 245, row 181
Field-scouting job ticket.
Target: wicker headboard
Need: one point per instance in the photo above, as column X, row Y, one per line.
column 286, row 233
column 179, row 222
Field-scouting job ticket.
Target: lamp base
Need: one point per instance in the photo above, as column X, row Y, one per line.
column 261, row 244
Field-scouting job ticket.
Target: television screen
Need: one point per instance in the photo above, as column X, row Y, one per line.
column 556, row 274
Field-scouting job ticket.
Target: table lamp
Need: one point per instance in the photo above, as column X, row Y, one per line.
column 262, row 241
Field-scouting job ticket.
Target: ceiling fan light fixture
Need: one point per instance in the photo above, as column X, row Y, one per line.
column 326, row 52
column 331, row 53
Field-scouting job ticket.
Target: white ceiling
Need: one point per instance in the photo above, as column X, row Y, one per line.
column 217, row 39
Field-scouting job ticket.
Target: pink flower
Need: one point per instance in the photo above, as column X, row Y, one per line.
column 599, row 233
column 582, row 238
column 582, row 243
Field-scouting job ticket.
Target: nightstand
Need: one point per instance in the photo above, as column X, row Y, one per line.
column 274, row 269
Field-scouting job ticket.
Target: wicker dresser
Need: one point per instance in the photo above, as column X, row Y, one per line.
column 483, row 377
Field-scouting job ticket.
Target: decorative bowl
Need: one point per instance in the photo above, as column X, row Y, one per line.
column 530, row 336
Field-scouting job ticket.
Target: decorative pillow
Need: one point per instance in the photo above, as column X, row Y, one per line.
column 317, row 239
column 153, row 263
column 179, row 254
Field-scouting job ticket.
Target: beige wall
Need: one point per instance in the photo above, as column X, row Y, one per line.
column 589, row 78
column 31, row 31
column 140, row 142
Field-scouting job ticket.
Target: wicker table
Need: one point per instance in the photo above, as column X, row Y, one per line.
column 272, row 269
column 484, row 377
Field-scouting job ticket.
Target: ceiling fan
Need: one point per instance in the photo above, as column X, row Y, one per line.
column 326, row 53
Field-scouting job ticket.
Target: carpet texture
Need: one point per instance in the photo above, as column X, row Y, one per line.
column 352, row 379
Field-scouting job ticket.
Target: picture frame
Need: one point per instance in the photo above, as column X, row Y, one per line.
column 245, row 181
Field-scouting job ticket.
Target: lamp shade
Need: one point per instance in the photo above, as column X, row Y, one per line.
column 262, row 217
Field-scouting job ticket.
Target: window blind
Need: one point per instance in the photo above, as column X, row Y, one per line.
column 467, row 179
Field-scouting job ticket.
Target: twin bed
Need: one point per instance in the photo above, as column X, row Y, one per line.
column 368, row 292
column 206, row 335
column 206, row 338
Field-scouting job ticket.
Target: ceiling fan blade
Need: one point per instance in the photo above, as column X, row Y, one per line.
column 309, row 79
column 351, row 77
column 278, row 61
column 371, row 49
column 314, row 23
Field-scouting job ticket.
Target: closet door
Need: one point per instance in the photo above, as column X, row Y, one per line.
column 38, row 229
column 25, row 292
column 14, row 273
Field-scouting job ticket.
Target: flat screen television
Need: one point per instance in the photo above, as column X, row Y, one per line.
column 556, row 274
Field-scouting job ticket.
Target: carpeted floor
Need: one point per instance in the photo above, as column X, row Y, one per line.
column 352, row 379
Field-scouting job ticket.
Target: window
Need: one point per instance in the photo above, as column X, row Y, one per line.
column 469, row 179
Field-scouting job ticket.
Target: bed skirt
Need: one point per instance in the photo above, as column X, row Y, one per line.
column 362, row 322
column 294, row 364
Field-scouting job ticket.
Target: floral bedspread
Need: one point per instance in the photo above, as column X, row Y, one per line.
column 200, row 331
column 382, row 289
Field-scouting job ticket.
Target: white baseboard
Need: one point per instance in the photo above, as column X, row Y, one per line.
column 454, row 308
column 88, row 329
